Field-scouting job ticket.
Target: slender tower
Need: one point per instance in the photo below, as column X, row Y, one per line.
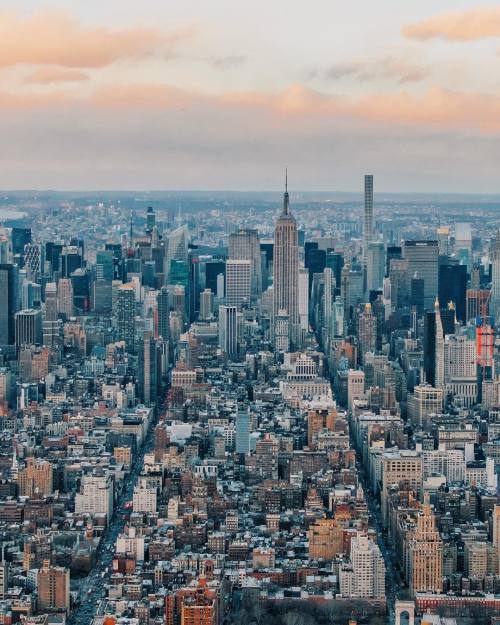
column 495, row 276
column 368, row 216
column 286, row 270
column 439, row 354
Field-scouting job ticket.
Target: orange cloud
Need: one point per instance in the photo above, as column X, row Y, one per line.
column 296, row 106
column 53, row 37
column 468, row 25
column 50, row 75
column 435, row 107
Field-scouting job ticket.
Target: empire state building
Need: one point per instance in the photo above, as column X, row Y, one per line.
column 286, row 271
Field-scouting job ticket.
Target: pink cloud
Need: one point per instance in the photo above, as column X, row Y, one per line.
column 54, row 37
column 50, row 75
column 480, row 23
column 295, row 107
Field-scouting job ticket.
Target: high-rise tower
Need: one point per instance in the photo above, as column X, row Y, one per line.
column 286, row 270
column 439, row 343
column 368, row 216
column 495, row 276
column 244, row 244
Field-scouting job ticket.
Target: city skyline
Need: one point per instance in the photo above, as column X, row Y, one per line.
column 163, row 97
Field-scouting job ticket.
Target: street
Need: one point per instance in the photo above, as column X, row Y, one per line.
column 92, row 589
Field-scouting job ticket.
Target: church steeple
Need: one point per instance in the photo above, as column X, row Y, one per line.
column 286, row 198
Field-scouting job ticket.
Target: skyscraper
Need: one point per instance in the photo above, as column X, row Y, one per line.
column 244, row 244
column 286, row 270
column 228, row 331
column 65, row 297
column 148, row 369
column 177, row 249
column 375, row 266
column 206, row 304
column 328, row 296
column 367, row 331
column 51, row 301
column 28, row 327
column 365, row 578
column 426, row 554
column 162, row 300
column 242, row 431
column 238, row 282
column 422, row 259
column 304, row 298
column 453, row 287
column 495, row 276
column 8, row 303
column 439, row 346
column 368, row 216
column 126, row 315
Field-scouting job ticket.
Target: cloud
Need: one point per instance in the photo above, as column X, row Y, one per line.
column 292, row 108
column 50, row 75
column 228, row 62
column 54, row 37
column 388, row 68
column 474, row 24
column 159, row 136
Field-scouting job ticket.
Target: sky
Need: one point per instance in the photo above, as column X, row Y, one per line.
column 223, row 94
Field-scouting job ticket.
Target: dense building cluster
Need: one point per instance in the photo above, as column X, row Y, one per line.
column 230, row 416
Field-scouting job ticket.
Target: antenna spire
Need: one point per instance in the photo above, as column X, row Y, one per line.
column 286, row 199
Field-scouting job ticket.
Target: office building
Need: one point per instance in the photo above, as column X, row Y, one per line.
column 177, row 249
column 355, row 386
column 206, row 304
column 304, row 299
column 228, row 330
column 375, row 266
column 244, row 244
column 28, row 327
column 314, row 260
column 125, row 313
column 423, row 402
column 65, row 297
column 328, row 296
column 478, row 304
column 8, row 303
column 243, row 430
column 238, row 282
column 422, row 257
column 367, row 332
column 149, row 368
column 426, row 554
column 453, row 288
column 213, row 269
column 163, row 312
column 51, row 301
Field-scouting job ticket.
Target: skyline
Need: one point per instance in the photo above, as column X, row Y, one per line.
column 191, row 97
